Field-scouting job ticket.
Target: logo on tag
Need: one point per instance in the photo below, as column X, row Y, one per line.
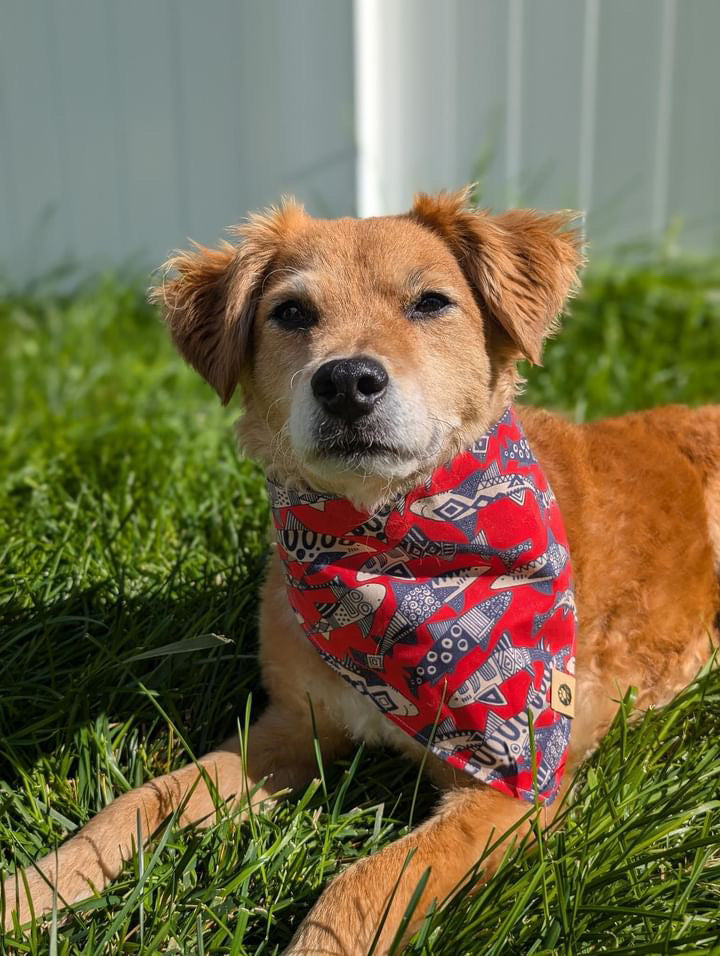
column 562, row 697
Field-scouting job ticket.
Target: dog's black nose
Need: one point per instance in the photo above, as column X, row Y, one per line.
column 349, row 388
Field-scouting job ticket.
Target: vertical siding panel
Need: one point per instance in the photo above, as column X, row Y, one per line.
column 588, row 105
column 552, row 103
column 177, row 67
column 301, row 122
column 625, row 137
column 119, row 129
column 694, row 183
column 664, row 116
column 482, row 92
column 85, row 110
column 144, row 52
column 320, row 117
column 216, row 90
column 9, row 231
column 454, row 171
column 33, row 155
column 513, row 109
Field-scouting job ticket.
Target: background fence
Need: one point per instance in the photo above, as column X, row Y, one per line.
column 126, row 127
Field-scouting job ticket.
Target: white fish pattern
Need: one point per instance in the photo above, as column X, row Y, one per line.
column 564, row 602
column 367, row 682
column 353, row 606
column 540, row 572
column 455, row 639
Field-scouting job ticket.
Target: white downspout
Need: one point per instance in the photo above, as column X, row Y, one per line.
column 368, row 44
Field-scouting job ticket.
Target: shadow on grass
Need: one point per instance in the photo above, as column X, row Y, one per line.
column 100, row 651
column 103, row 656
column 89, row 681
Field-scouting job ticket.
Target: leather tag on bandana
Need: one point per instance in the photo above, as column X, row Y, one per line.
column 562, row 697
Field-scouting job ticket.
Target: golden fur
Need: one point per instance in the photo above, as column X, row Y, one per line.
column 635, row 493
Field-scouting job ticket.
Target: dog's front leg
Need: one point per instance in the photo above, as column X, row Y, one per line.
column 345, row 920
column 279, row 751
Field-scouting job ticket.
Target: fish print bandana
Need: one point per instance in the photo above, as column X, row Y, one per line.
column 449, row 608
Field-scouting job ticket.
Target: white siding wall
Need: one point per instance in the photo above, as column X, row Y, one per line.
column 612, row 106
column 128, row 125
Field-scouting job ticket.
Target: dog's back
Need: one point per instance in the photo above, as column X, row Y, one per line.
column 640, row 495
column 697, row 434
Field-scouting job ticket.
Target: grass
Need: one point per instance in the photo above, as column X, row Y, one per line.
column 131, row 542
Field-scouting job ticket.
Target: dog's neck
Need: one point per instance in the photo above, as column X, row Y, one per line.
column 366, row 492
column 301, row 492
column 451, row 599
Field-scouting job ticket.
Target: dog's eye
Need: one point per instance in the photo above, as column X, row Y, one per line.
column 293, row 315
column 430, row 303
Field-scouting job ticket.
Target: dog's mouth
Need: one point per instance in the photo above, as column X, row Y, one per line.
column 361, row 447
column 366, row 469
column 358, row 447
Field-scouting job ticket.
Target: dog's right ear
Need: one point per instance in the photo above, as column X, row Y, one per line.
column 195, row 298
column 209, row 296
column 208, row 301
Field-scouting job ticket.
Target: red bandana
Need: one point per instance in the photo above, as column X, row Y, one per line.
column 449, row 608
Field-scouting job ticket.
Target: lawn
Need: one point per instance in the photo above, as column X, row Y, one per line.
column 132, row 537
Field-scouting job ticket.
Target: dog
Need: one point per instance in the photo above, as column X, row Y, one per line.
column 369, row 354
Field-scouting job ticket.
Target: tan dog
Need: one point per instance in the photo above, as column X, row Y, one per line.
column 444, row 301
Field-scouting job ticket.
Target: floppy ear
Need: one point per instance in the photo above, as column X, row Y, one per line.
column 210, row 296
column 522, row 264
column 208, row 334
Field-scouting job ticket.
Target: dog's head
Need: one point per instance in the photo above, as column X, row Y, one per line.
column 368, row 351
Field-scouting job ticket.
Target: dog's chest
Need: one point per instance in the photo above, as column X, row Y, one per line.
column 354, row 711
column 445, row 613
column 325, row 688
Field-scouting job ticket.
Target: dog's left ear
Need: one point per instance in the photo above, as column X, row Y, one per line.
column 522, row 264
